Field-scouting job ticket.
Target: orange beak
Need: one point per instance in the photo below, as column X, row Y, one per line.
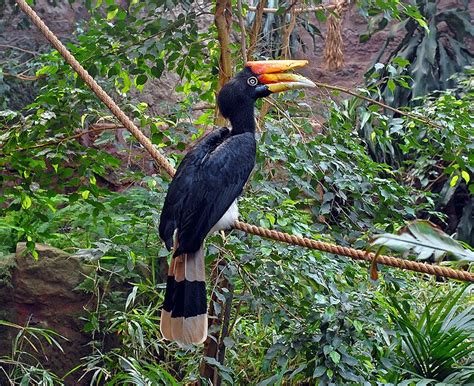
column 272, row 74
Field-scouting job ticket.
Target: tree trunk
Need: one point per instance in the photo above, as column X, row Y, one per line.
column 223, row 22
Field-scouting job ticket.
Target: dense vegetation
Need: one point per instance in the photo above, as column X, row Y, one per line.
column 72, row 178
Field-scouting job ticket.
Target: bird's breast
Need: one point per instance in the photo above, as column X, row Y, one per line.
column 227, row 220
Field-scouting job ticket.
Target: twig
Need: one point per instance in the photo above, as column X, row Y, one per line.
column 296, row 10
column 285, row 114
column 96, row 129
column 395, row 110
column 18, row 49
column 24, row 77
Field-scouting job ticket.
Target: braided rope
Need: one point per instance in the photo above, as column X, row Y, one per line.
column 252, row 229
column 356, row 254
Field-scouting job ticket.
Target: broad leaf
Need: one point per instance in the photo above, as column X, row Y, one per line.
column 424, row 240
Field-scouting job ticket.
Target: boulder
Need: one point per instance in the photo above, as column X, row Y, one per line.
column 43, row 293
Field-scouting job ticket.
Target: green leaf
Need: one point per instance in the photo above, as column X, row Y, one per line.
column 391, row 85
column 466, row 176
column 111, row 14
column 454, row 180
column 141, row 79
column 319, row 371
column 25, row 202
column 335, row 356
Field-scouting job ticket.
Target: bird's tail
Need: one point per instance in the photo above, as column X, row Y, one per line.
column 184, row 313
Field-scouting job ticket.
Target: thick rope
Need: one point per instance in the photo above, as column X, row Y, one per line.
column 356, row 254
column 263, row 232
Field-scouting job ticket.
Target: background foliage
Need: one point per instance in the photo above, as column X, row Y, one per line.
column 297, row 315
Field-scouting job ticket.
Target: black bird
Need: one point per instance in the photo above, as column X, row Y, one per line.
column 202, row 197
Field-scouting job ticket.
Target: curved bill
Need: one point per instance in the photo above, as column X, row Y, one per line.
column 272, row 74
column 283, row 82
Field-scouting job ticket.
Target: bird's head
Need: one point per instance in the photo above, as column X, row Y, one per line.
column 259, row 79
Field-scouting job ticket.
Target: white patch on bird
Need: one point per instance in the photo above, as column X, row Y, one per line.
column 228, row 219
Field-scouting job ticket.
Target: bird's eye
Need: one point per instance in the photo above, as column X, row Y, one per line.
column 252, row 81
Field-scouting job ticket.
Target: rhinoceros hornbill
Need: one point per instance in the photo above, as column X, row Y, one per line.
column 202, row 196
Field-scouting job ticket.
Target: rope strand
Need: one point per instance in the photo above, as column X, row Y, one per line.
column 252, row 229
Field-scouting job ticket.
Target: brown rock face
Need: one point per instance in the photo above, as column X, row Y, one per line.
column 42, row 294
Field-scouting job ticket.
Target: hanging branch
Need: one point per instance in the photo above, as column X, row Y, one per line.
column 285, row 54
column 415, row 117
column 333, row 47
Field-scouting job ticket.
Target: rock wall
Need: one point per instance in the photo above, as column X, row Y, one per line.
column 42, row 293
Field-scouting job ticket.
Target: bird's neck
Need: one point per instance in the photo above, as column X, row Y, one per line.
column 243, row 120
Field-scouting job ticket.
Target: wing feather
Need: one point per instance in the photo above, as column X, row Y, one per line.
column 183, row 180
column 207, row 182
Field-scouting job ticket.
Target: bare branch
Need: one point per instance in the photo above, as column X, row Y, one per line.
column 257, row 25
column 297, row 10
column 18, row 49
column 381, row 104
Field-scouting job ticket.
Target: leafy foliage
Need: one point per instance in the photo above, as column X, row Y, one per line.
column 437, row 345
column 24, row 365
column 430, row 52
column 298, row 316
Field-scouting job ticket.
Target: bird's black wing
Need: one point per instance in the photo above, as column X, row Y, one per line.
column 209, row 179
column 179, row 186
column 219, row 180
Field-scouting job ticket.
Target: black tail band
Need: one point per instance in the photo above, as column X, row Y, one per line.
column 185, row 298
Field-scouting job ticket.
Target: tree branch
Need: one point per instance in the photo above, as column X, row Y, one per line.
column 257, row 25
column 98, row 128
column 18, row 49
column 415, row 117
column 297, row 10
